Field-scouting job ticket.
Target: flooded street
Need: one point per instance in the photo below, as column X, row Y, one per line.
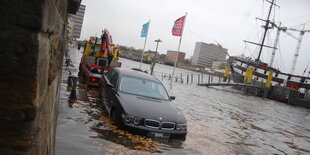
column 220, row 120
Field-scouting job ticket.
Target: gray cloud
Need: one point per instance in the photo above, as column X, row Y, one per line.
column 226, row 21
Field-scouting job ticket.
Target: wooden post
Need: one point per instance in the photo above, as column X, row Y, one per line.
column 209, row 79
column 187, row 79
column 192, row 78
column 181, row 78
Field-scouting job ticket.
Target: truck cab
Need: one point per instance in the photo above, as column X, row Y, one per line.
column 94, row 62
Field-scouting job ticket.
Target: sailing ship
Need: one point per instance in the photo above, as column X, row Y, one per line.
column 285, row 87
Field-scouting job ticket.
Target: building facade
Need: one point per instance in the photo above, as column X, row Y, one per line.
column 78, row 21
column 171, row 56
column 70, row 28
column 205, row 54
column 219, row 65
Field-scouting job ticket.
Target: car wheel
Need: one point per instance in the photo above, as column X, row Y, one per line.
column 117, row 119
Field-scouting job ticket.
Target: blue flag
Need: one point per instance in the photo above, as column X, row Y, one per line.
column 145, row 29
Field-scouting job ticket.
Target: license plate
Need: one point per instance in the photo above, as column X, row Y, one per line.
column 159, row 135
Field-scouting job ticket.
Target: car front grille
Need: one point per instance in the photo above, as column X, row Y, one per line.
column 167, row 125
column 152, row 123
column 159, row 125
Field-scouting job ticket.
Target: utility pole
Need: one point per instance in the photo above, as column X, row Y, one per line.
column 154, row 57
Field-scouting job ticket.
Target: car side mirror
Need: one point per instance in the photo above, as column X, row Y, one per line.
column 171, row 97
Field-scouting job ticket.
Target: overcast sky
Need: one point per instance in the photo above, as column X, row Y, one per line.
column 228, row 22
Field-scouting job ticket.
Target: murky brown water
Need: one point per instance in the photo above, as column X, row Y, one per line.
column 220, row 121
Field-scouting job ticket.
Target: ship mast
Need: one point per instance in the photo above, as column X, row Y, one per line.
column 266, row 29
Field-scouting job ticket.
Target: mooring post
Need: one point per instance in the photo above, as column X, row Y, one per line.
column 187, row 79
column 198, row 78
column 181, row 78
column 72, row 81
column 209, row 79
column 192, row 77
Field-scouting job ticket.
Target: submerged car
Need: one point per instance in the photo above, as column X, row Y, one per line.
column 139, row 102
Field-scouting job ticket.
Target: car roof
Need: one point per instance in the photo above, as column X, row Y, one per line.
column 135, row 73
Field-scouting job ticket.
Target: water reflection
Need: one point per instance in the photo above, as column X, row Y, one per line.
column 220, row 121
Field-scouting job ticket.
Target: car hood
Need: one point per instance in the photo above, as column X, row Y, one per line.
column 148, row 108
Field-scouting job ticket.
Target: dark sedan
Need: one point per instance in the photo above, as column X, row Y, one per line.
column 138, row 101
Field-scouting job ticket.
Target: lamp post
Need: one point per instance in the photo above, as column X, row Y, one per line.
column 154, row 57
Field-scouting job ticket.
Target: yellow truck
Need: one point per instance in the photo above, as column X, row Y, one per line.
column 99, row 55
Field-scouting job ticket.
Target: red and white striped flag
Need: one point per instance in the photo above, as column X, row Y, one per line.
column 178, row 26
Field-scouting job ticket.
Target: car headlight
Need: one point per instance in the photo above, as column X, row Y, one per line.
column 131, row 119
column 181, row 127
column 137, row 121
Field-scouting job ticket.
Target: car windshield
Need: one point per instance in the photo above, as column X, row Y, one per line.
column 143, row 87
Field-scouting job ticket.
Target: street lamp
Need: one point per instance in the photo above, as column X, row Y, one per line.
column 154, row 57
column 158, row 40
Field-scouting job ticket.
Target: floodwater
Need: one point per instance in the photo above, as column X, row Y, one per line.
column 220, row 120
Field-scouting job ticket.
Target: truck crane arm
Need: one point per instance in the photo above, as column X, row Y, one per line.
column 106, row 45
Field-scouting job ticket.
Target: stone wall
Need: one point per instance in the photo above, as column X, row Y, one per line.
column 32, row 44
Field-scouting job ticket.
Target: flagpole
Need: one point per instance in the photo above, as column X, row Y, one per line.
column 143, row 52
column 144, row 45
column 177, row 57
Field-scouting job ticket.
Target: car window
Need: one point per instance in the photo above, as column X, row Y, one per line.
column 143, row 87
column 110, row 74
column 113, row 80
